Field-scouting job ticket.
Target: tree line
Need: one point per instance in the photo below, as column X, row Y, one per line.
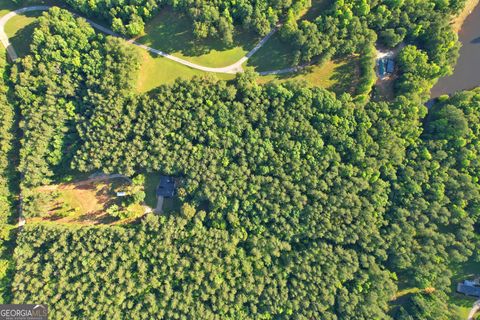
column 297, row 204
column 8, row 178
column 348, row 25
column 210, row 18
column 68, row 60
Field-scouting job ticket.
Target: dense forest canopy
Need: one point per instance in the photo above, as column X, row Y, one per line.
column 210, row 18
column 296, row 203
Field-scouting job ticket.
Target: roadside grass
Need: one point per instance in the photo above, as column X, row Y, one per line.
column 338, row 76
column 8, row 5
column 318, row 6
column 171, row 32
column 275, row 54
column 151, row 182
column 20, row 30
column 156, row 70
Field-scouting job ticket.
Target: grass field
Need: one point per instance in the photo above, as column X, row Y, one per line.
column 20, row 30
column 318, row 6
column 83, row 202
column 172, row 33
column 151, row 182
column 338, row 76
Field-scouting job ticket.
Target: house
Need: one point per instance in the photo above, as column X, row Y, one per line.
column 385, row 67
column 166, row 187
column 469, row 288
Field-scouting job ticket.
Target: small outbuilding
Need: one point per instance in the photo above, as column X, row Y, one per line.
column 469, row 288
column 385, row 67
column 166, row 187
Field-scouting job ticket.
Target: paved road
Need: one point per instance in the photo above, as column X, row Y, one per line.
column 231, row 69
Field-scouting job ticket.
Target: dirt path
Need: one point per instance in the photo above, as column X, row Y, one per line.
column 474, row 311
column 231, row 69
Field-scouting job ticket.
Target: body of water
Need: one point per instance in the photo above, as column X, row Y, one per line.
column 467, row 71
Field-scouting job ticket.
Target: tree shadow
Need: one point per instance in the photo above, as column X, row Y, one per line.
column 318, row 7
column 345, row 77
column 171, row 31
column 274, row 55
column 22, row 39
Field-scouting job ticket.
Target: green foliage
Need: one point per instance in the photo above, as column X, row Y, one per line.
column 297, row 204
column 67, row 60
column 210, row 18
column 349, row 24
column 7, row 177
column 175, row 268
column 426, row 306
column 435, row 200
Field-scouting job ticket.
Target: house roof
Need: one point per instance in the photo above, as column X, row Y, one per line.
column 166, row 186
column 468, row 289
column 390, row 66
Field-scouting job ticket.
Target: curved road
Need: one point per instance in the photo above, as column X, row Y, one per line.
column 474, row 311
column 231, row 69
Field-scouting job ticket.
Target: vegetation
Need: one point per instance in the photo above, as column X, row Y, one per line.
column 209, row 18
column 7, row 177
column 339, row 76
column 19, row 29
column 171, row 32
column 91, row 201
column 348, row 25
column 296, row 203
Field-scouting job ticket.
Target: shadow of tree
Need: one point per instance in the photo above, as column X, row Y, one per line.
column 345, row 77
column 23, row 37
column 171, row 31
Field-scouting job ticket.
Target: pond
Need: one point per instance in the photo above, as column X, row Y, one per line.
column 467, row 71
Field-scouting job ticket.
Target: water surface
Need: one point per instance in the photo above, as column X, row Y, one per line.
column 467, row 71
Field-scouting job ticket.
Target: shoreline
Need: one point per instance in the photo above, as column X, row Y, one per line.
column 457, row 22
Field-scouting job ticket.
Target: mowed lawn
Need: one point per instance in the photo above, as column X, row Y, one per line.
column 337, row 75
column 155, row 71
column 172, row 32
column 20, row 30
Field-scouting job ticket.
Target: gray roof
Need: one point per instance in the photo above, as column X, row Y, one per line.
column 390, row 66
column 468, row 289
column 166, row 187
